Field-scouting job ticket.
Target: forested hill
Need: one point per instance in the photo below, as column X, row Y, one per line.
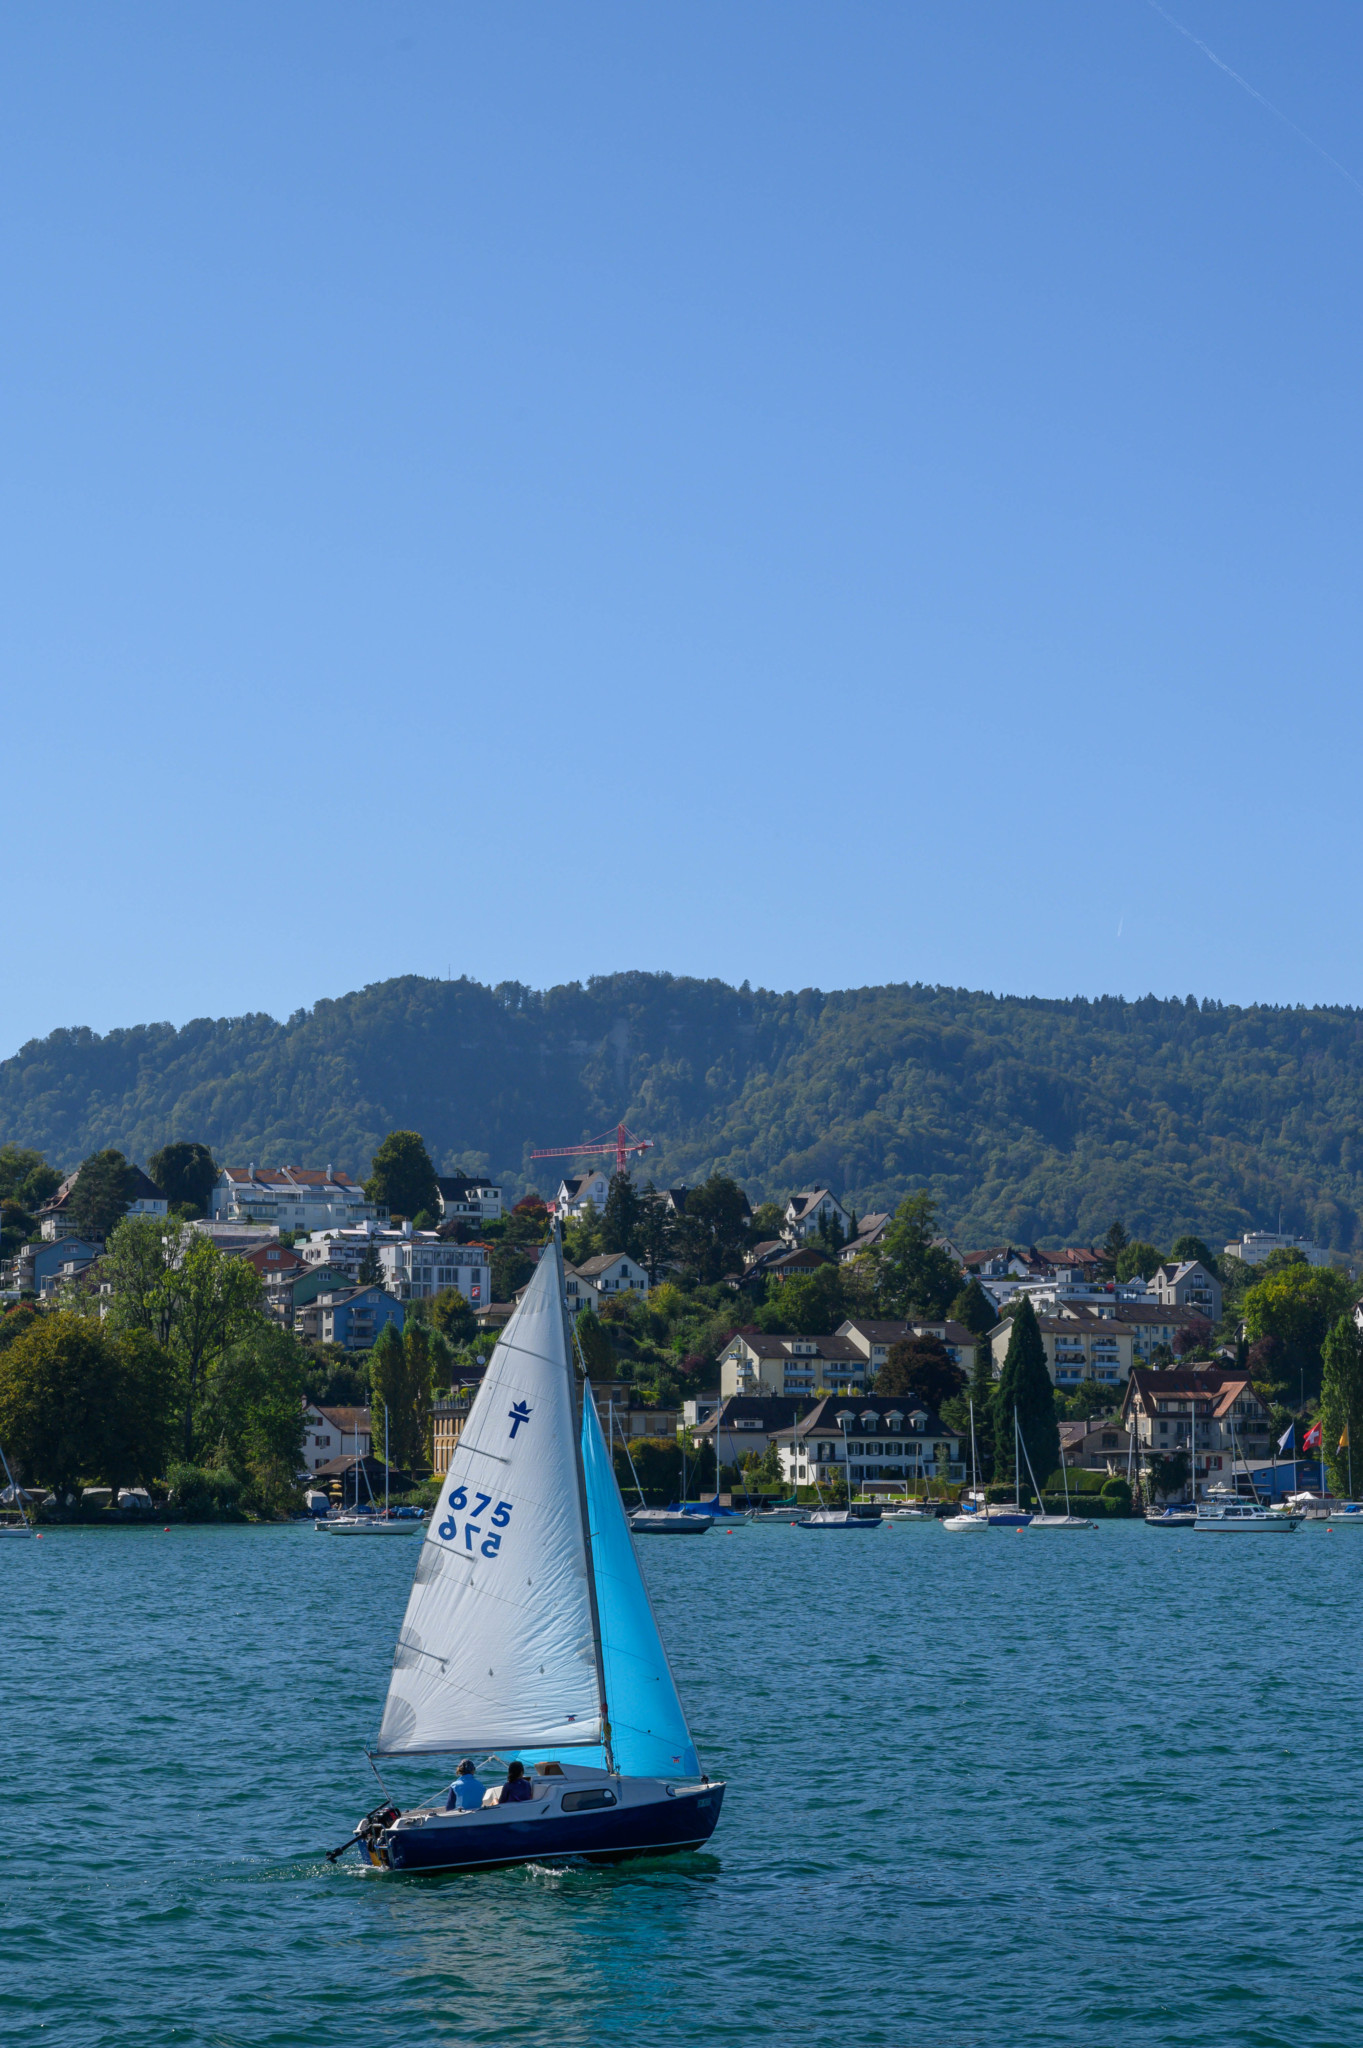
column 1028, row 1118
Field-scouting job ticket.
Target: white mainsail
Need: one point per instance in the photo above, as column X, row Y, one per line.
column 499, row 1647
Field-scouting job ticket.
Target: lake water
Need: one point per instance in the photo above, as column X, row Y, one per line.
column 1050, row 1788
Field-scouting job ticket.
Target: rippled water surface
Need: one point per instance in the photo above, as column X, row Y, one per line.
column 1042, row 1788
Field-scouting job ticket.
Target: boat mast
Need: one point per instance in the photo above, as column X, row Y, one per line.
column 579, row 1471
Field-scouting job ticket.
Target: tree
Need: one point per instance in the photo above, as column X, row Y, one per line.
column 1285, row 1255
column 982, row 1400
column 77, row 1401
column 26, row 1179
column 141, row 1270
column 1024, row 1384
column 1137, row 1259
column 388, row 1389
column 401, row 1176
column 452, row 1314
column 511, row 1269
column 1193, row 1248
column 713, row 1234
column 597, row 1351
column 921, row 1366
column 1193, row 1340
column 809, row 1304
column 1167, row 1473
column 253, row 1407
column 622, row 1217
column 1115, row 1243
column 173, row 1284
column 370, row 1273
column 411, row 1446
column 1298, row 1304
column 186, row 1175
column 99, row 1200
column 656, row 1235
column 973, row 1307
column 1088, row 1399
column 768, row 1221
column 1341, row 1402
column 914, row 1276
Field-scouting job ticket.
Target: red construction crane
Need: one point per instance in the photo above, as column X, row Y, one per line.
column 621, row 1141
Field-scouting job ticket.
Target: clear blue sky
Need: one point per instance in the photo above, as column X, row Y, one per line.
column 820, row 493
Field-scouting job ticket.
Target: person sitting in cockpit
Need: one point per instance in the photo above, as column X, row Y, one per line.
column 517, row 1786
column 467, row 1790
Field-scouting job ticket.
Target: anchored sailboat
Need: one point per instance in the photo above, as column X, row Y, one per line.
column 529, row 1635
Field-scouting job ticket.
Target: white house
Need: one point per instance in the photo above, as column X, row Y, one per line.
column 468, row 1198
column 575, row 1190
column 334, row 1433
column 293, row 1198
column 883, row 1444
column 54, row 1217
column 816, row 1209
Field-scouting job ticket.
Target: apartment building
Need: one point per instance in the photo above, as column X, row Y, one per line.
column 1207, row 1410
column 293, row 1198
column 790, row 1365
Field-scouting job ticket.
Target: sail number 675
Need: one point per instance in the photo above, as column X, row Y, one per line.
column 474, row 1534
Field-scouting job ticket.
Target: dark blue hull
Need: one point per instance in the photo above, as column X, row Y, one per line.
column 659, row 1827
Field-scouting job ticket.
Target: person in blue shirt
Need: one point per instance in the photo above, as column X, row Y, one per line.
column 517, row 1786
column 467, row 1790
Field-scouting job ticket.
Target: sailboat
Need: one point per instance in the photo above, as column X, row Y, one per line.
column 356, row 1521
column 13, row 1497
column 529, row 1636
column 959, row 1524
column 1041, row 1520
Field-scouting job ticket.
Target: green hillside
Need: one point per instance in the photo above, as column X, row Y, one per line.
column 1027, row 1118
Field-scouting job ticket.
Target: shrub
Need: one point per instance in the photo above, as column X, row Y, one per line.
column 204, row 1489
column 1118, row 1492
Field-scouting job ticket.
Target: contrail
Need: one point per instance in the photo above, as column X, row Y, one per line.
column 1255, row 94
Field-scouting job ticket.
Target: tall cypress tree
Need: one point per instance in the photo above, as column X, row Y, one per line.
column 1341, row 1404
column 982, row 1399
column 1025, row 1384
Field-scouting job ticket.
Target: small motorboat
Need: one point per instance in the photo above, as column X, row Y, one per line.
column 788, row 1515
column 909, row 1515
column 1182, row 1517
column 837, row 1518
column 1241, row 1518
column 669, row 1522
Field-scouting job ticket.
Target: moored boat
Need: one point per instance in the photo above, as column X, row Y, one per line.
column 837, row 1518
column 1241, row 1518
column 668, row 1522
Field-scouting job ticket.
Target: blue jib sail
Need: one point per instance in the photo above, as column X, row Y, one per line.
column 648, row 1728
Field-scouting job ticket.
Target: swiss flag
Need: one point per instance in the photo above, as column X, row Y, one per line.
column 1311, row 1441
